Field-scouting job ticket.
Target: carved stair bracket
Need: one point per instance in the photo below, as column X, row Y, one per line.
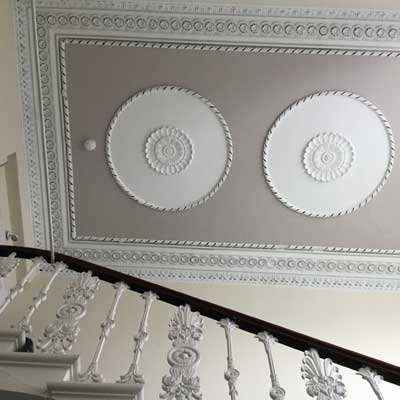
column 231, row 374
column 323, row 380
column 133, row 376
column 8, row 264
column 62, row 333
column 373, row 379
column 276, row 392
column 185, row 332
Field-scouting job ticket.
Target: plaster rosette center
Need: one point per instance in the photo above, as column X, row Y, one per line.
column 169, row 150
column 327, row 157
column 328, row 154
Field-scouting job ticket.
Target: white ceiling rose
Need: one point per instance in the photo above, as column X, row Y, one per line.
column 169, row 148
column 328, row 154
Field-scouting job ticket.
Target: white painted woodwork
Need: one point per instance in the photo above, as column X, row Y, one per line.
column 95, row 391
column 29, row 373
column 11, row 340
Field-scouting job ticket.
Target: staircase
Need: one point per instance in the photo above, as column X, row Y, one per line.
column 41, row 363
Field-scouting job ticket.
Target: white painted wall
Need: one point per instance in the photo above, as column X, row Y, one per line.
column 11, row 134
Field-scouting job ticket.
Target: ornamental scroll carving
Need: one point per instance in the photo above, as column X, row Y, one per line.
column 185, row 332
column 62, row 333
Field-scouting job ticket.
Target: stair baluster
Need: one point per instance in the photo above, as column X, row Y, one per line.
column 185, row 331
column 133, row 375
column 373, row 379
column 24, row 323
column 231, row 374
column 106, row 326
column 276, row 392
column 20, row 286
column 62, row 333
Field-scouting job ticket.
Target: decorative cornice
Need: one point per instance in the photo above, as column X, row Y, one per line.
column 220, row 9
column 269, row 267
column 301, row 27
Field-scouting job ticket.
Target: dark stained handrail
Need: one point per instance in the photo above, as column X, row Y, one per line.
column 295, row 340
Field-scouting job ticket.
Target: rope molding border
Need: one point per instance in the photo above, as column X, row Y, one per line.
column 216, row 112
column 303, row 100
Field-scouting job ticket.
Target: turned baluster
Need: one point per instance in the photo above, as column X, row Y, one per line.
column 231, row 374
column 132, row 375
column 106, row 326
column 24, row 323
column 276, row 392
column 20, row 286
column 373, row 379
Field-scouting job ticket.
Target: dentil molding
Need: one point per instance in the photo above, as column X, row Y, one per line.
column 193, row 27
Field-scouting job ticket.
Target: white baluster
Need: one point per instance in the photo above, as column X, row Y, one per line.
column 62, row 333
column 25, row 323
column 133, row 376
column 231, row 374
column 20, row 286
column 323, row 379
column 8, row 264
column 373, row 379
column 185, row 331
column 276, row 392
column 92, row 371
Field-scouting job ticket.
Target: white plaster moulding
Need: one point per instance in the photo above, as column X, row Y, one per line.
column 194, row 27
column 268, row 267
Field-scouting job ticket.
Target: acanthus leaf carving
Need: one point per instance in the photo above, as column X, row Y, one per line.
column 323, row 380
column 185, row 331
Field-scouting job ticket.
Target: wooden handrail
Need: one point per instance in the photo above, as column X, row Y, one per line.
column 295, row 340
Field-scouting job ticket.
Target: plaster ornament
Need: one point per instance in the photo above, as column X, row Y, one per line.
column 328, row 156
column 89, row 144
column 185, row 331
column 323, row 380
column 337, row 138
column 169, row 150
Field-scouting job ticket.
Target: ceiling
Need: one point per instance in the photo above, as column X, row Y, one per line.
column 361, row 4
column 184, row 140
